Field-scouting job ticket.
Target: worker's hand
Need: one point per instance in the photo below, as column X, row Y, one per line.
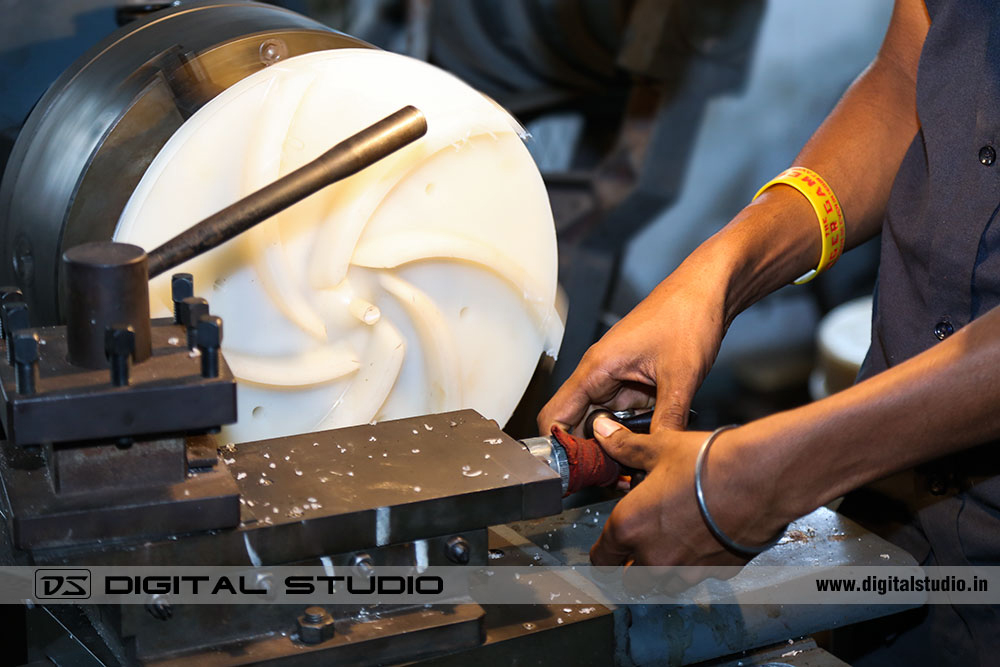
column 659, row 353
column 658, row 522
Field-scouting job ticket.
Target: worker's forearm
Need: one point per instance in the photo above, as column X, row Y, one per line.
column 857, row 149
column 939, row 402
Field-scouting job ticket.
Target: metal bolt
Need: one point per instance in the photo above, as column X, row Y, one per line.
column 191, row 310
column 13, row 316
column 159, row 608
column 181, row 287
column 119, row 348
column 272, row 50
column 457, row 550
column 9, row 294
column 209, row 338
column 315, row 614
column 26, row 361
column 315, row 626
column 363, row 564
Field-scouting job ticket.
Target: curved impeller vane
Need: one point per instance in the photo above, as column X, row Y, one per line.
column 320, row 365
column 264, row 166
column 359, row 197
column 443, row 367
column 373, row 382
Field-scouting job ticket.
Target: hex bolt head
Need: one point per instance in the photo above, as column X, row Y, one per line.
column 208, row 339
column 119, row 340
column 25, row 347
column 458, row 551
column 315, row 614
column 209, row 332
column 160, row 608
column 190, row 311
column 364, row 565
column 181, row 287
column 8, row 294
column 315, row 626
column 14, row 314
column 25, row 356
column 192, row 308
column 119, row 348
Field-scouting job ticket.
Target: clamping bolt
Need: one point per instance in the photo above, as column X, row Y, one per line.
column 315, row 626
column 181, row 287
column 209, row 339
column 8, row 294
column 191, row 310
column 25, row 352
column 13, row 316
column 119, row 348
column 363, row 565
column 457, row 550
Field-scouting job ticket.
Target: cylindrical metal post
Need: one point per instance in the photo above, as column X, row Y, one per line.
column 107, row 284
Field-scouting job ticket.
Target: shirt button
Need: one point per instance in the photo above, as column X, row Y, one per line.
column 987, row 156
column 943, row 329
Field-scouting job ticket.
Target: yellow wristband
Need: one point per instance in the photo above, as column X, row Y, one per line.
column 824, row 202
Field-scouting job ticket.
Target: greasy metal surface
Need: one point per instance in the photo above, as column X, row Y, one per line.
column 674, row 635
column 167, row 394
column 392, row 482
column 354, row 489
column 94, row 467
column 90, row 138
column 371, row 639
column 42, row 518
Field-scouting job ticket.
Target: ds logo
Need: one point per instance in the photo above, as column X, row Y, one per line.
column 53, row 584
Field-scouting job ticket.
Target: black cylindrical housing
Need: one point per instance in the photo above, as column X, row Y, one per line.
column 107, row 284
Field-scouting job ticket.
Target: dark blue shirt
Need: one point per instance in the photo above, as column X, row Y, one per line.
column 940, row 265
column 939, row 270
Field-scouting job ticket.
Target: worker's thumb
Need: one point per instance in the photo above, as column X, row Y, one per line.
column 630, row 449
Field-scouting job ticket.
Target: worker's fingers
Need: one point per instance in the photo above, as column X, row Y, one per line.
column 632, row 396
column 610, row 548
column 674, row 392
column 634, row 450
column 588, row 385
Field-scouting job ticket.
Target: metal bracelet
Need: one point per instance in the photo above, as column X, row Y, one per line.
column 724, row 540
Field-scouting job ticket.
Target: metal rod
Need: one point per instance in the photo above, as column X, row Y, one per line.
column 346, row 158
